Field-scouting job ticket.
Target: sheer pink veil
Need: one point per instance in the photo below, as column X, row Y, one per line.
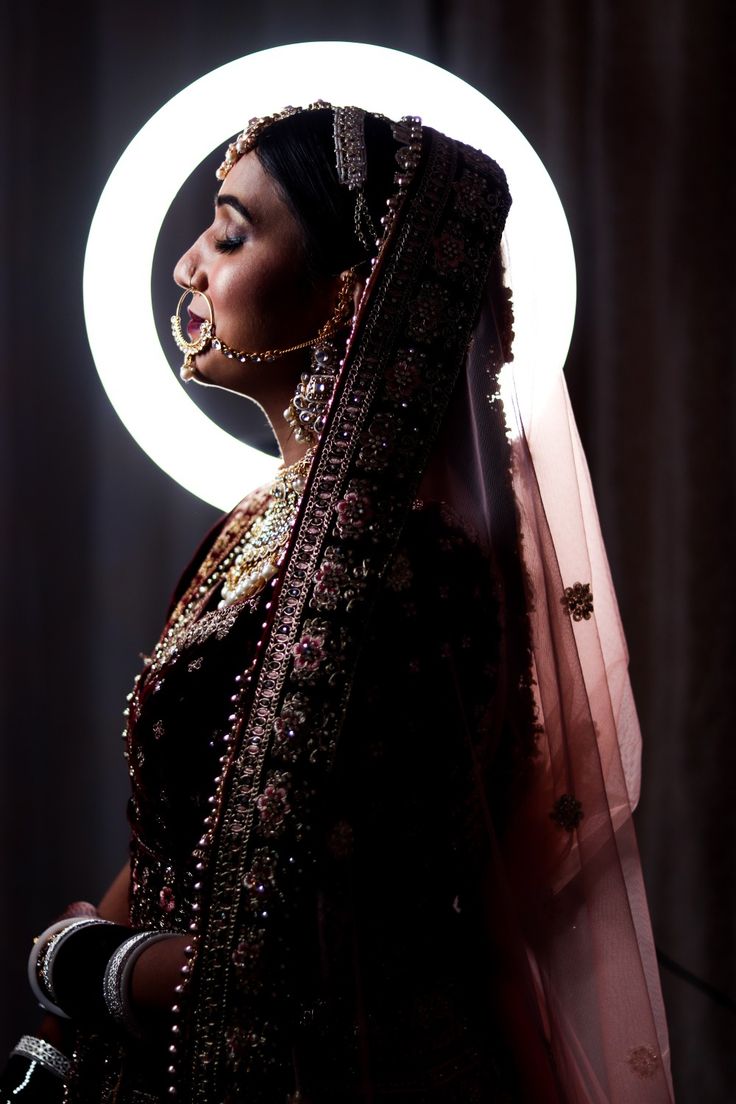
column 565, row 851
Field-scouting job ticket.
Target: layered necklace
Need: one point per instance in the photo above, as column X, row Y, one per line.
column 245, row 570
column 255, row 558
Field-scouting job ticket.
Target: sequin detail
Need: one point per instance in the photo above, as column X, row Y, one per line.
column 644, row 1061
column 567, row 812
column 578, row 601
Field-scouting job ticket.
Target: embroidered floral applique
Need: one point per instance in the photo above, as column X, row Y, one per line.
column 288, row 727
column 578, row 601
column 404, row 375
column 431, row 310
column 567, row 812
column 378, row 443
column 166, row 899
column 273, row 804
column 260, row 881
column 338, row 581
column 355, row 512
column 644, row 1061
column 309, row 652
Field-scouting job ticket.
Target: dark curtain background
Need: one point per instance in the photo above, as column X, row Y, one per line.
column 631, row 106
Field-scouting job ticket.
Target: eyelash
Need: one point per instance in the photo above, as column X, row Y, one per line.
column 228, row 245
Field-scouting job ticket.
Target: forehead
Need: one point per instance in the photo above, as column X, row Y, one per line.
column 249, row 182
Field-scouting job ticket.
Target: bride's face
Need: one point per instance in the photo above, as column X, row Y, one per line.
column 252, row 265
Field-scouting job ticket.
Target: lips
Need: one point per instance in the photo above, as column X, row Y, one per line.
column 194, row 323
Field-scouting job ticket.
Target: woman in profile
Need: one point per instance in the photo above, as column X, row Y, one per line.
column 384, row 756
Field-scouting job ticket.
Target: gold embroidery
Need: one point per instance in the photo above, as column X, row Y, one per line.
column 578, row 601
column 644, row 1061
column 567, row 812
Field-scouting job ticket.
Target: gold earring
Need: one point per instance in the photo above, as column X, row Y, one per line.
column 192, row 348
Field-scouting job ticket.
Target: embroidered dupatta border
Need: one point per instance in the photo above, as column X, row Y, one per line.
column 423, row 298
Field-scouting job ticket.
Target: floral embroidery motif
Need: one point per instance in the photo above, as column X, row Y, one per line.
column 248, row 952
column 471, row 195
column 195, row 664
column 337, row 581
column 355, row 511
column 430, row 312
column 378, row 443
column 166, row 899
column 273, row 804
column 578, row 601
column 260, row 880
column 644, row 1061
column 288, row 726
column 567, row 812
column 309, row 650
column 404, row 375
column 158, row 730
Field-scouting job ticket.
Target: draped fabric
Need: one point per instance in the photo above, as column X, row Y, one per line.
column 418, row 875
column 630, row 108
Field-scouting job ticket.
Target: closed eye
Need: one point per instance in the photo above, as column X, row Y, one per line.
column 228, row 245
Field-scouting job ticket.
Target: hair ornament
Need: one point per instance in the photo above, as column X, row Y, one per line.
column 245, row 142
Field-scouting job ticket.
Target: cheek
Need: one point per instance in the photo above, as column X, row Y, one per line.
column 260, row 295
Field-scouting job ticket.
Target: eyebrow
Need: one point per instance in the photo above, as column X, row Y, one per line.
column 232, row 201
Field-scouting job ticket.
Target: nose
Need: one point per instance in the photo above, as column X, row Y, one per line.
column 188, row 271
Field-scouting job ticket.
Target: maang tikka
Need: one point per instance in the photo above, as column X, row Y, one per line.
column 307, row 409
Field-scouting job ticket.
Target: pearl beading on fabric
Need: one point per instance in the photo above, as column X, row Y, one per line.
column 408, row 132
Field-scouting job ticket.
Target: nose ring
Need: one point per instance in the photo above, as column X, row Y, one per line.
column 192, row 348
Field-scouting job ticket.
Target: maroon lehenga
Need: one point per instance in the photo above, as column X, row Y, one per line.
column 390, row 798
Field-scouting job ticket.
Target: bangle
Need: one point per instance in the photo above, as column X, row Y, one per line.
column 119, row 973
column 41, row 960
column 38, row 1050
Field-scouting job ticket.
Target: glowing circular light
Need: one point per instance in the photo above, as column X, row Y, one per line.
column 157, row 411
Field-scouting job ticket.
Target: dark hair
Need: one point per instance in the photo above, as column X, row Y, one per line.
column 299, row 154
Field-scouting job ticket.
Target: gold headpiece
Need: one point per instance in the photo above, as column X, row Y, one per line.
column 350, row 155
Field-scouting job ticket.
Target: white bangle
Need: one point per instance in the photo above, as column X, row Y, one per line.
column 47, row 945
column 119, row 973
column 38, row 1050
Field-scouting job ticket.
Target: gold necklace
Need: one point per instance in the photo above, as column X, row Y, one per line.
column 258, row 553
column 246, row 567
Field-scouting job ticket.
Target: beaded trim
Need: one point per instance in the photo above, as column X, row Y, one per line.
column 374, row 434
column 38, row 1050
column 245, row 142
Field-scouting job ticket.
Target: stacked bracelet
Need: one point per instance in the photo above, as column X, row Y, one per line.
column 35, row 1071
column 42, row 957
column 67, row 962
column 38, row 1050
column 81, row 969
column 119, row 974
